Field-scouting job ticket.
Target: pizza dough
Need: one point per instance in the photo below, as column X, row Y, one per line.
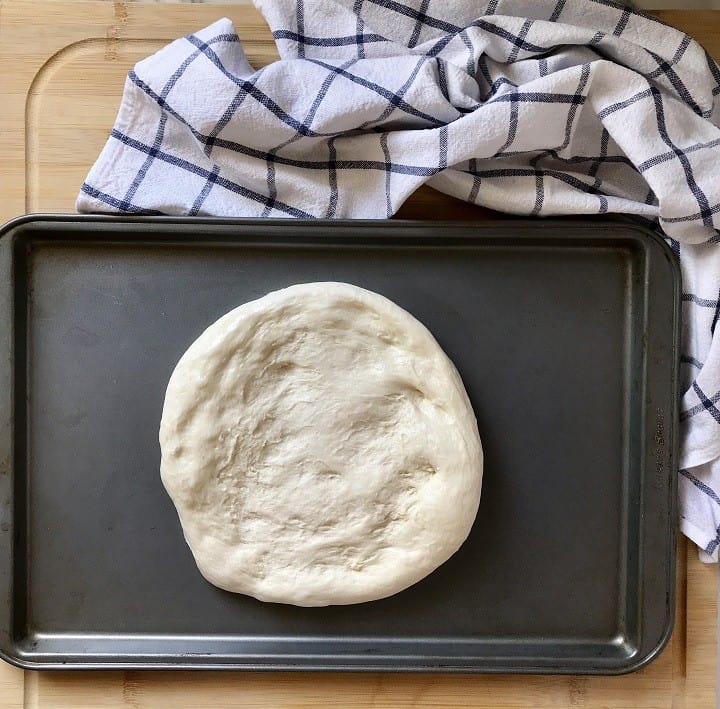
column 320, row 448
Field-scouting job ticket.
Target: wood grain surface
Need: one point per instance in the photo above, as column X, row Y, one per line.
column 62, row 67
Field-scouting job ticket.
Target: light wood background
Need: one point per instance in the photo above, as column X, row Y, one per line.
column 62, row 66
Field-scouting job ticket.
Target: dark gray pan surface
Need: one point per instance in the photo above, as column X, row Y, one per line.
column 563, row 332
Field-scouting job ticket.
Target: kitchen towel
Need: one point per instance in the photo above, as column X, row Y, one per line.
column 535, row 107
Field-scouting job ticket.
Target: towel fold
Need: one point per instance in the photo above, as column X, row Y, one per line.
column 535, row 107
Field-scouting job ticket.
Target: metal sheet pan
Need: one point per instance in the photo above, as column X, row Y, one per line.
column 564, row 332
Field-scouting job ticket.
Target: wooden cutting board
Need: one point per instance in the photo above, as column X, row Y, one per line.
column 62, row 66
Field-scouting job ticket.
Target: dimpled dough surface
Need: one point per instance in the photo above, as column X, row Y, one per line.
column 320, row 448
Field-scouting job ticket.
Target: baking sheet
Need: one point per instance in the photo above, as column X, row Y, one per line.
column 564, row 333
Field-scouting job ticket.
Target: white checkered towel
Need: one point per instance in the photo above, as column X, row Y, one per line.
column 530, row 106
